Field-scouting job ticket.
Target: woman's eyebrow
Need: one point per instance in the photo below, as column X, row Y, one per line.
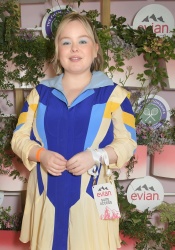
column 67, row 37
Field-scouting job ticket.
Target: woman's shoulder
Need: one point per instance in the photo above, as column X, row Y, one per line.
column 122, row 90
column 51, row 82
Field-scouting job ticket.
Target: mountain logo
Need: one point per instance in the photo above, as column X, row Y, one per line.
column 145, row 193
column 103, row 188
column 154, row 18
column 157, row 16
column 103, row 192
column 145, row 187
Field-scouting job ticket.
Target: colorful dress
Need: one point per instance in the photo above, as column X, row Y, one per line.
column 60, row 212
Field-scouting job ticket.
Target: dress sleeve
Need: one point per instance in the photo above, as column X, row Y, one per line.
column 124, row 143
column 21, row 143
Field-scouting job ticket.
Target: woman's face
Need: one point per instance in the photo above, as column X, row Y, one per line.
column 76, row 48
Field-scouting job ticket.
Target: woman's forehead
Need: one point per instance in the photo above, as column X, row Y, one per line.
column 76, row 26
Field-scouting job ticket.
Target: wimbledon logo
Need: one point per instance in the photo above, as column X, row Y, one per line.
column 155, row 111
column 49, row 22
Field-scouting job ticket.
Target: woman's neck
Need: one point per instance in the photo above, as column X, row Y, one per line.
column 74, row 85
column 76, row 81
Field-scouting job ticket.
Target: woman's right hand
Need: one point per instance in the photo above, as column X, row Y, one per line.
column 53, row 162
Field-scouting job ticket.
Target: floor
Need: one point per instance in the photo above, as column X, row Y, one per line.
column 9, row 240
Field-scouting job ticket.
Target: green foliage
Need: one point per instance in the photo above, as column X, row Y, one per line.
column 26, row 50
column 137, row 224
column 7, row 125
column 155, row 139
column 167, row 212
column 23, row 54
column 10, row 221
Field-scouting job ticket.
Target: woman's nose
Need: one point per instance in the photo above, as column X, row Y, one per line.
column 74, row 47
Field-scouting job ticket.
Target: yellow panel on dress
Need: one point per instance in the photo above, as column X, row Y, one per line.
column 128, row 119
column 22, row 118
column 110, row 107
column 33, row 107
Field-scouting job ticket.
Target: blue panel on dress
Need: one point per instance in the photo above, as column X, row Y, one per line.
column 40, row 182
column 94, row 123
column 59, row 95
column 126, row 106
column 18, row 127
column 25, row 107
column 40, row 123
column 83, row 96
column 131, row 131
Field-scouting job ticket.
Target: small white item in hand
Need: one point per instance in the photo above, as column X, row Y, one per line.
column 93, row 171
column 109, row 172
column 99, row 156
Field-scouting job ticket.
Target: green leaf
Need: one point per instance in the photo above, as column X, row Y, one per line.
column 148, row 72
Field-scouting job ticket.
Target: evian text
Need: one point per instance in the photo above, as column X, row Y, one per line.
column 144, row 196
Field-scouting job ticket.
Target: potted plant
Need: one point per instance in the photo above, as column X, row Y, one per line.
column 10, row 226
column 166, row 213
column 10, row 221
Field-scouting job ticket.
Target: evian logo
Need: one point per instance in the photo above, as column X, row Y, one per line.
column 103, row 191
column 145, row 193
column 157, row 16
column 158, row 24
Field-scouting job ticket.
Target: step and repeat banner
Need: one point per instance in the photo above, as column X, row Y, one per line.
column 145, row 188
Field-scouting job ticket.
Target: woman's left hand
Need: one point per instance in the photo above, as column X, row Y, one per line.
column 80, row 163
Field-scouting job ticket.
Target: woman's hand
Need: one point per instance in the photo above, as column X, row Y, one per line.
column 53, row 162
column 80, row 163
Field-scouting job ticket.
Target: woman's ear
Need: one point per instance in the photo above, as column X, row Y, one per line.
column 96, row 48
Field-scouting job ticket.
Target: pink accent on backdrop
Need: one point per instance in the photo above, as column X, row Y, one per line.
column 7, row 183
column 9, row 240
column 169, row 66
column 137, row 66
column 139, row 167
column 164, row 162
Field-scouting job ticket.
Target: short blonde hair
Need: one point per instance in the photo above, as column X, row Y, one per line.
column 74, row 16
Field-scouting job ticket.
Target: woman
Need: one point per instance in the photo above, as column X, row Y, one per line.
column 71, row 125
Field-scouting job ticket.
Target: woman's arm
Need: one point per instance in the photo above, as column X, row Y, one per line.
column 124, row 143
column 21, row 143
column 27, row 149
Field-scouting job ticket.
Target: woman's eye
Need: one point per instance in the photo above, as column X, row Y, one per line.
column 65, row 43
column 82, row 41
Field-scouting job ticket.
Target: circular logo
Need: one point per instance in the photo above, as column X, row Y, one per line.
column 1, row 197
column 157, row 16
column 145, row 193
column 50, row 22
column 155, row 111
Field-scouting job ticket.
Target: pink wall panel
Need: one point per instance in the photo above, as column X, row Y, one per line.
column 164, row 163
column 139, row 167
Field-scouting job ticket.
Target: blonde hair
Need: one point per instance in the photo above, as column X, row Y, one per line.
column 97, row 64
